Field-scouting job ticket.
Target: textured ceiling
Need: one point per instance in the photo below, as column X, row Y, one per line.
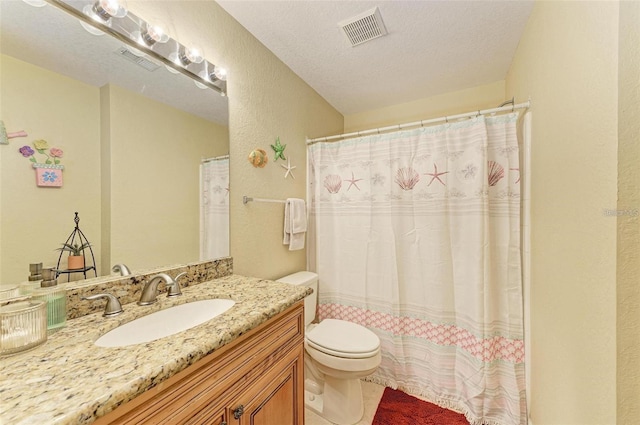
column 432, row 47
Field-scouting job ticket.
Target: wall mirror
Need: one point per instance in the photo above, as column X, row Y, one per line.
column 134, row 136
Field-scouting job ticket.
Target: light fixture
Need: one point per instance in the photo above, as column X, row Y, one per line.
column 154, row 34
column 143, row 38
column 151, row 34
column 198, row 84
column 219, row 73
column 87, row 10
column 189, row 55
column 107, row 9
column 102, row 11
column 211, row 74
column 184, row 57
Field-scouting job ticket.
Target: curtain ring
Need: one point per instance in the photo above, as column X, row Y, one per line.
column 446, row 119
column 478, row 113
column 513, row 105
column 421, row 123
column 378, row 130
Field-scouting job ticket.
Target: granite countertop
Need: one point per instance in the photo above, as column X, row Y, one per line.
column 69, row 380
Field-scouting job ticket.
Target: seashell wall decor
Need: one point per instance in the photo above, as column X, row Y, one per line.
column 258, row 158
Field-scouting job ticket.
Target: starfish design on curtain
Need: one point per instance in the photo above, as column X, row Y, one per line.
column 279, row 150
column 289, row 169
column 435, row 175
column 353, row 182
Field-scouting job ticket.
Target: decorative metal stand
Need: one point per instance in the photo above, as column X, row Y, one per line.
column 77, row 237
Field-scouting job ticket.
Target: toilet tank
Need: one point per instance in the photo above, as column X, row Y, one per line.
column 310, row 280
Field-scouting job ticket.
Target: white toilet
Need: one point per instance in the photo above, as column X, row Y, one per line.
column 337, row 354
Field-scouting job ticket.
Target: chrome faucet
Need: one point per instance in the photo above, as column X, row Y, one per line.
column 174, row 290
column 111, row 308
column 122, row 269
column 150, row 289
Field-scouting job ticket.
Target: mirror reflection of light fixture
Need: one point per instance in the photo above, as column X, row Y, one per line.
column 36, row 3
column 144, row 39
column 90, row 28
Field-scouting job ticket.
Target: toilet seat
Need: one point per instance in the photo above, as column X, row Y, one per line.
column 343, row 339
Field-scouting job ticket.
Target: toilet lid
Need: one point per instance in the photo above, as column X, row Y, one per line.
column 344, row 339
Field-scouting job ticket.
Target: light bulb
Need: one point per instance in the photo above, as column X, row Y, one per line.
column 220, row 73
column 189, row 55
column 107, row 9
column 153, row 34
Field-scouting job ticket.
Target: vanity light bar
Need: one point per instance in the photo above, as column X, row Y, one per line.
column 128, row 29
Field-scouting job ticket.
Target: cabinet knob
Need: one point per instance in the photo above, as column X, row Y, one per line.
column 223, row 423
column 238, row 412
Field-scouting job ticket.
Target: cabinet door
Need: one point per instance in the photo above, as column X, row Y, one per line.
column 277, row 398
column 209, row 416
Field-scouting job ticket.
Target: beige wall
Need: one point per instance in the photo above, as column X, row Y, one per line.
column 628, row 267
column 567, row 61
column 266, row 100
column 481, row 97
column 35, row 221
column 154, row 201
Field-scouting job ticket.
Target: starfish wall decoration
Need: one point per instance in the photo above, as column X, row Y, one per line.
column 279, row 150
column 289, row 169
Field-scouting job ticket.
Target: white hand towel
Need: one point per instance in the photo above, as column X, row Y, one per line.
column 295, row 223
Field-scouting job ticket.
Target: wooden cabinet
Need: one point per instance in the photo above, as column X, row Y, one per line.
column 258, row 379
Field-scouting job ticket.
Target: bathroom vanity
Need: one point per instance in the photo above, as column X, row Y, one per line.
column 242, row 367
column 256, row 379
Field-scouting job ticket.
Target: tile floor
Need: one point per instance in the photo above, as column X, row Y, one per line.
column 372, row 393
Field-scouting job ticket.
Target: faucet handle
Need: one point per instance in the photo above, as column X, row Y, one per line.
column 113, row 306
column 174, row 290
column 122, row 269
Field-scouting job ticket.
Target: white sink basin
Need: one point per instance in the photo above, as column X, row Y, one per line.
column 164, row 323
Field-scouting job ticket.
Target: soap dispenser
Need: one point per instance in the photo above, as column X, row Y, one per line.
column 55, row 297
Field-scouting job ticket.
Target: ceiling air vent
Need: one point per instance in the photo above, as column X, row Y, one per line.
column 364, row 27
column 126, row 53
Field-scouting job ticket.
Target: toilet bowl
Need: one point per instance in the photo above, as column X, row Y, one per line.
column 337, row 354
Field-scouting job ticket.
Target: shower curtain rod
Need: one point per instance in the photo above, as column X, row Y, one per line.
column 512, row 107
column 215, row 158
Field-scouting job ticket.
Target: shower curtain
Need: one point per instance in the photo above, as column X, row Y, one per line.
column 214, row 209
column 416, row 235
